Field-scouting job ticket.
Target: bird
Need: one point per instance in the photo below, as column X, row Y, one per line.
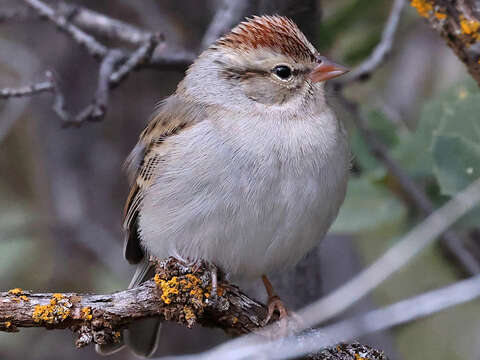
column 244, row 166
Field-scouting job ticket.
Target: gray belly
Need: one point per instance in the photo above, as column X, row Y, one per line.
column 247, row 216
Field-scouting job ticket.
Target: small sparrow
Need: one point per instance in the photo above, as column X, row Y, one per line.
column 244, row 166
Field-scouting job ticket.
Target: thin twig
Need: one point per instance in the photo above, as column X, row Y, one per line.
column 228, row 14
column 29, row 90
column 381, row 51
column 102, row 24
column 142, row 55
column 94, row 48
column 50, row 85
column 97, row 109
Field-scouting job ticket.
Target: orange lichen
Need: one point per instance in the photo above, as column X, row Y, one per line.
column 24, row 298
column 7, row 324
column 169, row 288
column 16, row 291
column 116, row 336
column 87, row 313
column 358, row 357
column 54, row 312
column 440, row 16
column 469, row 27
column 189, row 313
column 423, row 7
column 190, row 284
column 234, row 320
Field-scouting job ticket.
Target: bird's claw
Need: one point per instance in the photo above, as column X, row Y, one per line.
column 275, row 304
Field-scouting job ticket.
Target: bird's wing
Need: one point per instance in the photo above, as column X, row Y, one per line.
column 173, row 116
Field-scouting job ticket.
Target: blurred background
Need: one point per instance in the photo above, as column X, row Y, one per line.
column 62, row 190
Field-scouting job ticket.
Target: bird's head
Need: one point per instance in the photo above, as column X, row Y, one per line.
column 265, row 61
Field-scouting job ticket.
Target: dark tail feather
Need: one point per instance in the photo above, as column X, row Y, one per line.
column 142, row 336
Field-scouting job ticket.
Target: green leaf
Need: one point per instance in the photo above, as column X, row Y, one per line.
column 368, row 207
column 457, row 162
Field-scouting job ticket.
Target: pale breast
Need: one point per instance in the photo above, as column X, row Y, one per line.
column 249, row 197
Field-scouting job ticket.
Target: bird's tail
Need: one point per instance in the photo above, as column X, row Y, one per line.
column 142, row 336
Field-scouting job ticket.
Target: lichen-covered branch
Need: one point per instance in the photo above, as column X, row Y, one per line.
column 178, row 293
column 458, row 23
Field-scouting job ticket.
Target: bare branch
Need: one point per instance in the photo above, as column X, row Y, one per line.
column 381, row 51
column 176, row 59
column 102, row 24
column 29, row 90
column 139, row 57
column 95, row 48
column 97, row 109
column 227, row 15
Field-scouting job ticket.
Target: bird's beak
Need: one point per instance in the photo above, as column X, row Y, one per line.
column 326, row 70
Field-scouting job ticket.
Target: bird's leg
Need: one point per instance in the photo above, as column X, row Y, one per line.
column 274, row 302
column 214, row 275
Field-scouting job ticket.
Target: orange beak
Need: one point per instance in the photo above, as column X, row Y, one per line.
column 326, row 70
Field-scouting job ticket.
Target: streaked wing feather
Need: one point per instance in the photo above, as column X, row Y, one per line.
column 173, row 117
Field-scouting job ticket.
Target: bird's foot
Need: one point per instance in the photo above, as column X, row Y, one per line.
column 275, row 304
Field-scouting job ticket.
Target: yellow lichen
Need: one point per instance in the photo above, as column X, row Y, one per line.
column 469, row 27
column 57, row 297
column 169, row 288
column 234, row 320
column 189, row 313
column 197, row 293
column 8, row 324
column 24, row 298
column 423, row 7
column 190, row 284
column 116, row 336
column 56, row 311
column 358, row 357
column 440, row 16
column 16, row 291
column 87, row 313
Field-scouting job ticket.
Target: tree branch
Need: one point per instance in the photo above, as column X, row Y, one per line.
column 459, row 25
column 28, row 90
column 94, row 48
column 102, row 25
column 381, row 51
column 226, row 16
column 178, row 293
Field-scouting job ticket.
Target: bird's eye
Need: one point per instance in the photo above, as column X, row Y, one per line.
column 282, row 71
